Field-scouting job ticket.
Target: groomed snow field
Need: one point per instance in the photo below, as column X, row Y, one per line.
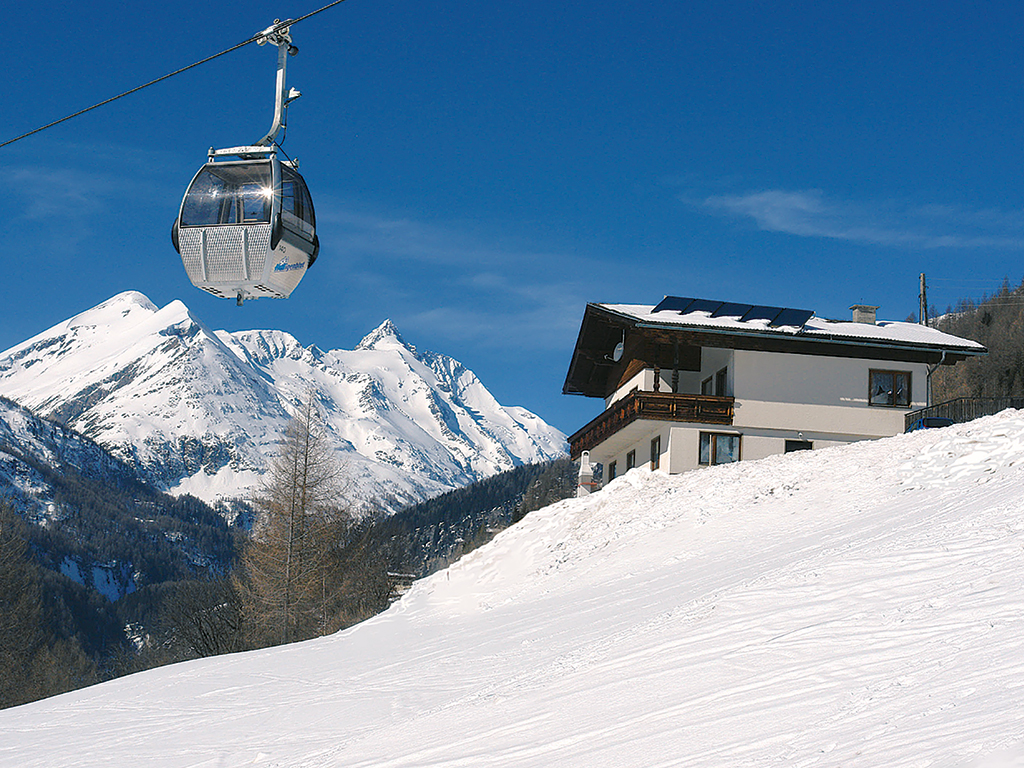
column 855, row 606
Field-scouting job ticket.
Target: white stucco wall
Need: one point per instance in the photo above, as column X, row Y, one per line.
column 812, row 380
column 822, row 395
column 778, row 397
column 712, row 361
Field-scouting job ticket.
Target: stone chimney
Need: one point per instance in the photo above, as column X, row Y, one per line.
column 864, row 313
column 586, row 476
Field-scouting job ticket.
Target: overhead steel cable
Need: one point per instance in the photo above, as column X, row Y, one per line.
column 127, row 93
column 253, row 39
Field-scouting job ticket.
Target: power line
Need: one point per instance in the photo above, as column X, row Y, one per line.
column 252, row 39
column 958, row 280
column 992, row 297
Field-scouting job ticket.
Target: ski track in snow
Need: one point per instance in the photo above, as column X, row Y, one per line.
column 844, row 607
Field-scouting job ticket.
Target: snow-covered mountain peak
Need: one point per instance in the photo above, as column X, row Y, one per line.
column 94, row 323
column 129, row 314
column 121, row 305
column 201, row 412
column 384, row 335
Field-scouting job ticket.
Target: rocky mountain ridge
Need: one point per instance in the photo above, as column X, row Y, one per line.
column 199, row 411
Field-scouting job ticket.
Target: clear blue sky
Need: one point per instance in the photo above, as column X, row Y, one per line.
column 482, row 170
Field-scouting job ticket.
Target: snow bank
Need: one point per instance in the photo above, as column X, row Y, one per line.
column 855, row 606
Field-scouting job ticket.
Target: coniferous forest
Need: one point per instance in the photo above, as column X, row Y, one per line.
column 996, row 321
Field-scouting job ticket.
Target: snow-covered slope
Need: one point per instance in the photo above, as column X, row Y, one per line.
column 855, row 606
column 199, row 411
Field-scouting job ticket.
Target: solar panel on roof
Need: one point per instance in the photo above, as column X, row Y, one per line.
column 761, row 313
column 794, row 317
column 731, row 309
column 669, row 303
column 703, row 305
column 773, row 316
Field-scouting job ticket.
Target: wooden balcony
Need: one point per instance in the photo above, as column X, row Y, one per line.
column 656, row 406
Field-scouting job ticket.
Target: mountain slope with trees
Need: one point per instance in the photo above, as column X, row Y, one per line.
column 431, row 535
column 107, row 576
column 81, row 532
column 35, row 660
column 996, row 321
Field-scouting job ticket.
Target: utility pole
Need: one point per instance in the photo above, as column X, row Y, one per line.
column 924, row 303
column 924, row 321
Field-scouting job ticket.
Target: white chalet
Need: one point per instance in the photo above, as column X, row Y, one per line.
column 692, row 382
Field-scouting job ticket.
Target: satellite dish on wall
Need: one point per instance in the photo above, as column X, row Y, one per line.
column 619, row 350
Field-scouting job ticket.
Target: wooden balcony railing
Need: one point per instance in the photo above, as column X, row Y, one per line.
column 657, row 406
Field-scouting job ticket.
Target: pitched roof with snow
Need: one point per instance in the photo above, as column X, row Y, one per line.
column 745, row 319
column 706, row 323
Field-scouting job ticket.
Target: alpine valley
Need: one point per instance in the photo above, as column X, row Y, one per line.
column 200, row 412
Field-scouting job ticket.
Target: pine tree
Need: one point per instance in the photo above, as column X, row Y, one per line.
column 286, row 576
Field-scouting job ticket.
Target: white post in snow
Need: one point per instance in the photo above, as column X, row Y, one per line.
column 586, row 481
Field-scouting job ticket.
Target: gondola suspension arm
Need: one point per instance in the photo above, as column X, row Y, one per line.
column 279, row 34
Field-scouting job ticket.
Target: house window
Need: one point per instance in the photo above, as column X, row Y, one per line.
column 656, row 452
column 611, row 471
column 798, row 445
column 707, row 387
column 716, row 448
column 630, row 460
column 890, row 388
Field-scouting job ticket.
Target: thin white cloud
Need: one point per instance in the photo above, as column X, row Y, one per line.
column 403, row 238
column 46, row 193
column 398, row 238
column 522, row 315
column 88, row 180
column 810, row 213
column 457, row 283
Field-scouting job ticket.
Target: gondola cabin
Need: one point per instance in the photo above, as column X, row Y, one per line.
column 246, row 227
